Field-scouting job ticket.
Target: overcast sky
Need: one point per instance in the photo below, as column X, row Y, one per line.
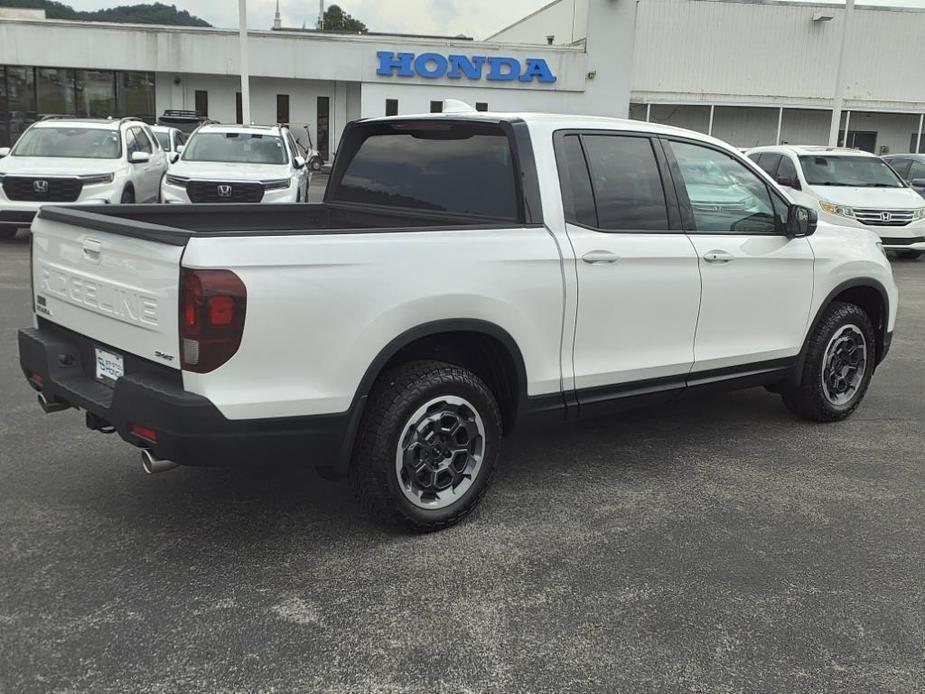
column 477, row 18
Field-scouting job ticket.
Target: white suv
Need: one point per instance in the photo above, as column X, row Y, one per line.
column 65, row 160
column 238, row 163
column 850, row 188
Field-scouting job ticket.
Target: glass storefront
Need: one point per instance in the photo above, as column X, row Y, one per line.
column 28, row 93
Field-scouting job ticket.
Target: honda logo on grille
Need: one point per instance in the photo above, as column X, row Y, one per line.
column 886, row 217
column 224, row 191
column 40, row 186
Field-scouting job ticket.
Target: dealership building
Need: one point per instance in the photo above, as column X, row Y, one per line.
column 748, row 72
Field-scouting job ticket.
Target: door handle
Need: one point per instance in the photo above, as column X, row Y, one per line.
column 597, row 257
column 718, row 257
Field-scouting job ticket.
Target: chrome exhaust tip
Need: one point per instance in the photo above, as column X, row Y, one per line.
column 49, row 406
column 153, row 465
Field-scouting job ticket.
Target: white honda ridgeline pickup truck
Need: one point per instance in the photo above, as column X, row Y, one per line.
column 465, row 274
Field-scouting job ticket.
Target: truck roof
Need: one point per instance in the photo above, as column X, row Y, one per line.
column 814, row 149
column 557, row 121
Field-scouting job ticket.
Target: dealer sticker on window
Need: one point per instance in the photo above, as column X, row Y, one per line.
column 109, row 366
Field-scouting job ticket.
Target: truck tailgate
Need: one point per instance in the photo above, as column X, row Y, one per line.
column 120, row 290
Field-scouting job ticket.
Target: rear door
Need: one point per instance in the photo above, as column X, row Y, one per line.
column 757, row 282
column 118, row 290
column 638, row 278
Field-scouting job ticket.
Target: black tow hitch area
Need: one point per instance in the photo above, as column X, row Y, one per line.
column 96, row 423
column 53, row 405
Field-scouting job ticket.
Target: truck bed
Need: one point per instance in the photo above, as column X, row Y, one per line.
column 176, row 224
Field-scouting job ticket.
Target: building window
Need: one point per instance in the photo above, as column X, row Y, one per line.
column 202, row 102
column 20, row 102
column 96, row 93
column 481, row 105
column 135, row 94
column 436, row 107
column 282, row 108
column 238, row 109
column 56, row 91
column 391, row 107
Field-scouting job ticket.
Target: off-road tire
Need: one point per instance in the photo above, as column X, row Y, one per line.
column 808, row 399
column 394, row 399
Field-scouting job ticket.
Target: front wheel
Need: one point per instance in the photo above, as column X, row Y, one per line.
column 840, row 359
column 128, row 196
column 427, row 447
column 315, row 164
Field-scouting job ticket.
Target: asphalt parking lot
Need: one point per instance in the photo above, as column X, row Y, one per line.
column 715, row 545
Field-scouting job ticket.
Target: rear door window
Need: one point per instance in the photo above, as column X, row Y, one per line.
column 769, row 161
column 901, row 166
column 458, row 168
column 627, row 183
column 787, row 171
column 575, row 181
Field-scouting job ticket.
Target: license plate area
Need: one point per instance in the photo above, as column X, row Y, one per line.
column 110, row 367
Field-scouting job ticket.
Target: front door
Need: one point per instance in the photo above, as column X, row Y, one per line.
column 757, row 282
column 637, row 273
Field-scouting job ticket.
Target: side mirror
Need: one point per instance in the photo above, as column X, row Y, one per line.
column 180, row 149
column 916, row 182
column 299, row 162
column 801, row 221
column 139, row 157
column 4, row 152
column 173, row 157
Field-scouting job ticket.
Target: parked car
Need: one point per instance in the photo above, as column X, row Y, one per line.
column 85, row 161
column 238, row 163
column 855, row 189
column 911, row 168
column 184, row 121
column 170, row 139
column 466, row 274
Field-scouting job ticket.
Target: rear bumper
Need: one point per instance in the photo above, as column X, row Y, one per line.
column 16, row 219
column 189, row 429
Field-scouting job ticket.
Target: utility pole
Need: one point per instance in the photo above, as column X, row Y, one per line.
column 321, row 15
column 245, row 77
column 840, row 76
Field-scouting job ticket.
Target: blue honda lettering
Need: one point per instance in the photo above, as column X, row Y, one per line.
column 434, row 66
column 497, row 73
column 537, row 68
column 389, row 63
column 422, row 65
column 470, row 67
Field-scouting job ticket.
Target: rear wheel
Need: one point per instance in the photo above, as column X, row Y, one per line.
column 840, row 359
column 315, row 164
column 427, row 446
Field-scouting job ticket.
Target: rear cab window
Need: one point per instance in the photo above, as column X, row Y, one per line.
column 465, row 169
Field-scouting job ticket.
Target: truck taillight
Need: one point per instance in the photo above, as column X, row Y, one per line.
column 213, row 304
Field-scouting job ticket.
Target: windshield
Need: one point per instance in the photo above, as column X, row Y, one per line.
column 860, row 172
column 164, row 139
column 77, row 143
column 241, row 148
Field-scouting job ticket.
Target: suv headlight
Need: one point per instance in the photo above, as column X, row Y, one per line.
column 95, row 179
column 277, row 184
column 917, row 214
column 840, row 210
column 179, row 181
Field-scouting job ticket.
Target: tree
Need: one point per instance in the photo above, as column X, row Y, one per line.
column 335, row 19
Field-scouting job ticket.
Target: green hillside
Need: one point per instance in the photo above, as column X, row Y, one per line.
column 156, row 13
